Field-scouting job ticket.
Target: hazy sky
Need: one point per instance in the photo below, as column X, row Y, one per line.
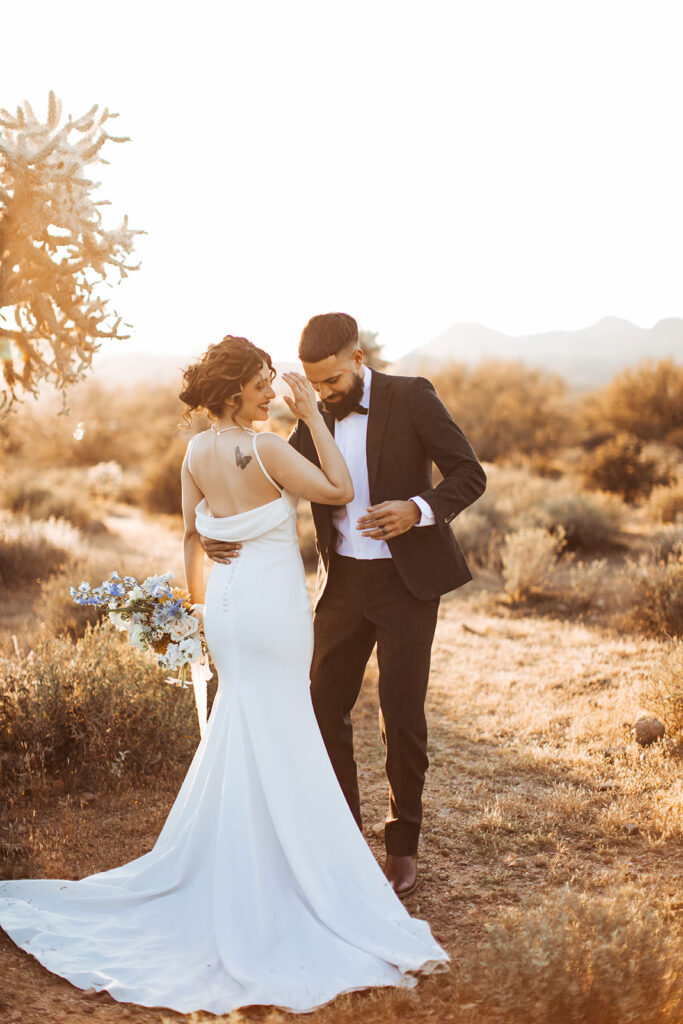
column 416, row 164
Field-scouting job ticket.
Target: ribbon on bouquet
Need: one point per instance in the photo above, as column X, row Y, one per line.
column 200, row 674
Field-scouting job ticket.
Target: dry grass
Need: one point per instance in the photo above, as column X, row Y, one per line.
column 33, row 549
column 521, row 802
column 664, row 690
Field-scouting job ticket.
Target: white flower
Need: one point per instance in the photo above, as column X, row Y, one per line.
column 184, row 627
column 118, row 621
column 171, row 659
column 190, row 649
column 138, row 635
column 136, row 593
column 153, row 582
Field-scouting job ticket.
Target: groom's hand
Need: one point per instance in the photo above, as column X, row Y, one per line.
column 389, row 519
column 222, row 551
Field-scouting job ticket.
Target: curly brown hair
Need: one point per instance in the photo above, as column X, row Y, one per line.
column 220, row 375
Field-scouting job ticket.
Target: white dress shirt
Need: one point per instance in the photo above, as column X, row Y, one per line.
column 351, row 436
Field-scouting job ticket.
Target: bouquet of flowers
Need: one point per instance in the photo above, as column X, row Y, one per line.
column 158, row 618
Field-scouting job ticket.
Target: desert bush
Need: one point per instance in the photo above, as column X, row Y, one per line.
column 653, row 588
column 105, row 479
column 516, row 499
column 589, row 521
column 666, row 503
column 51, row 495
column 506, row 408
column 33, row 549
column 645, row 401
column 664, row 690
column 588, row 582
column 480, row 531
column 92, row 712
column 160, row 488
column 104, row 424
column 579, row 959
column 529, row 557
column 622, row 466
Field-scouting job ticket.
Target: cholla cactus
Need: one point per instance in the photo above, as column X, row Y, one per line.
column 54, row 250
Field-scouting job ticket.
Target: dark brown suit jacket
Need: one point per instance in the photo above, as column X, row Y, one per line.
column 409, row 429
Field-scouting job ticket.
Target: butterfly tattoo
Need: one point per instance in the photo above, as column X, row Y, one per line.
column 242, row 460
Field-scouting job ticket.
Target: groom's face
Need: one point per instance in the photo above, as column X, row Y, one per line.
column 338, row 380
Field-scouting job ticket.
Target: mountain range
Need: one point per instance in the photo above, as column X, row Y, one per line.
column 585, row 358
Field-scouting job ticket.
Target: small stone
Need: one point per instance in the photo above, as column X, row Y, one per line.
column 87, row 798
column 88, row 993
column 631, row 829
column 648, row 730
column 378, row 829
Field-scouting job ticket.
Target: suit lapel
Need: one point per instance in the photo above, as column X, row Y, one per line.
column 380, row 400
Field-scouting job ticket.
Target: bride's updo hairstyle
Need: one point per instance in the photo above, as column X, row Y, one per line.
column 221, row 373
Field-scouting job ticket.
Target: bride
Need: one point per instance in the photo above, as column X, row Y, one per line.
column 260, row 888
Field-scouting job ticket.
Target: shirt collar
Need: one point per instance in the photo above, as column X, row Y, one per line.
column 367, row 384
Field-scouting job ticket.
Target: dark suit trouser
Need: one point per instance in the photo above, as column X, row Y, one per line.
column 367, row 602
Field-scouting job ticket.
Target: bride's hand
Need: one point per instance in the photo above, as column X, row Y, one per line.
column 304, row 404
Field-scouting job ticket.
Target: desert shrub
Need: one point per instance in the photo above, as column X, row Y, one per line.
column 33, row 549
column 160, row 488
column 666, row 503
column 51, row 495
column 666, row 542
column 480, row 531
column 529, row 557
column 588, row 582
column 589, row 521
column 579, row 959
column 105, row 479
column 516, row 499
column 130, row 426
column 622, row 466
column 664, row 690
column 645, row 401
column 653, row 588
column 92, row 712
column 506, row 408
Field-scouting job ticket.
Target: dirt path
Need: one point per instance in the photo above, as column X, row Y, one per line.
column 520, row 800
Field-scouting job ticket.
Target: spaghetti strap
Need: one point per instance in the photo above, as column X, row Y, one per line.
column 190, row 446
column 263, row 468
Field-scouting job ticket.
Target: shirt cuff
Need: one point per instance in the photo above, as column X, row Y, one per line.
column 427, row 517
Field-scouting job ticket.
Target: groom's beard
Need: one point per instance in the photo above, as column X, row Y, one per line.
column 347, row 401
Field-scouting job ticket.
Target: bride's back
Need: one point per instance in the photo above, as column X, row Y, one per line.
column 226, row 469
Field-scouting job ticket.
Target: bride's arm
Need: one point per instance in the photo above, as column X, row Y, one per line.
column 192, row 548
column 328, row 484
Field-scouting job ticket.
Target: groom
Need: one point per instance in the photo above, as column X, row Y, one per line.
column 385, row 559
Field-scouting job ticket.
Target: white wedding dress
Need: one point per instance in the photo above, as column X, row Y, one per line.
column 260, row 888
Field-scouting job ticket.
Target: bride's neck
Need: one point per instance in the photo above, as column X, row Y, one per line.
column 224, row 422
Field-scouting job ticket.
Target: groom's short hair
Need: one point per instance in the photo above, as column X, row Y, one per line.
column 326, row 335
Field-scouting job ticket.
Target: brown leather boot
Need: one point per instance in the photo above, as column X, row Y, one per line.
column 402, row 873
